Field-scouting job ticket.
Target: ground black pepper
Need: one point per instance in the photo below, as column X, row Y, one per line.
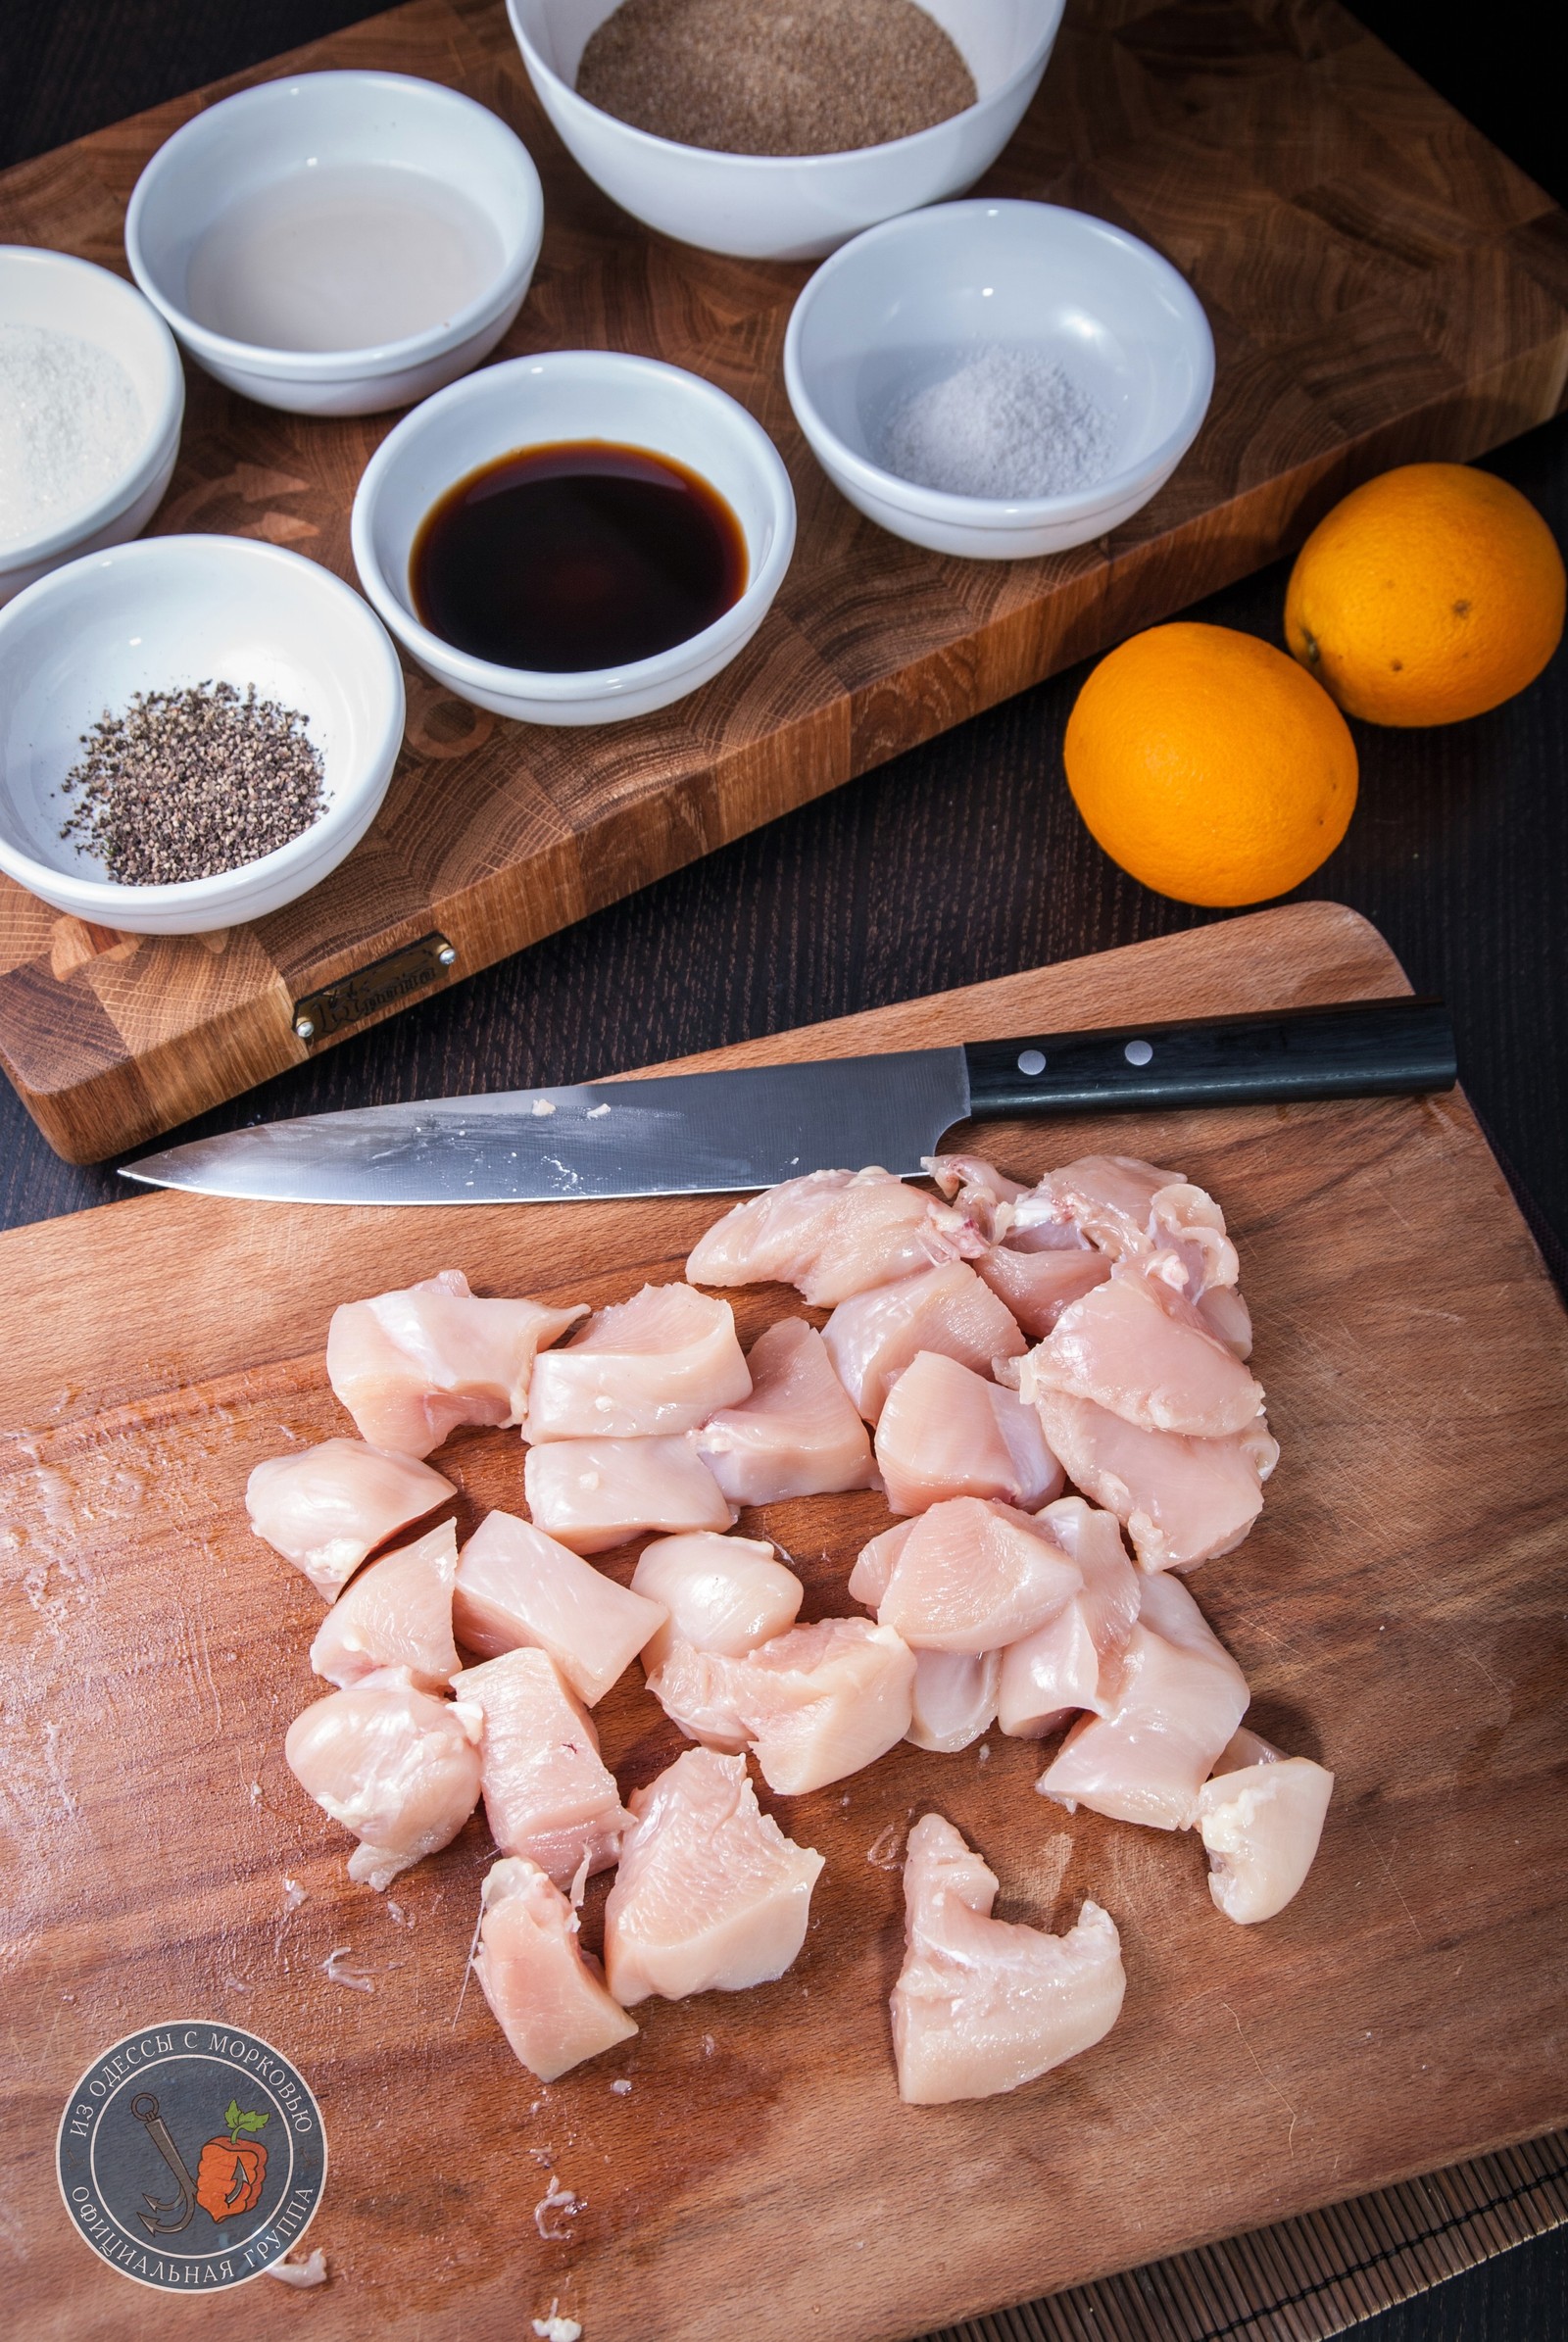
column 188, row 784
column 775, row 76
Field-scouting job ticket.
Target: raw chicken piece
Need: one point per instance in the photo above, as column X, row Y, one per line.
column 874, row 1336
column 547, row 1794
column 1133, row 1346
column 965, row 1175
column 397, row 1613
column 1181, row 1501
column 1037, row 1287
column 797, row 1435
column 410, row 1366
column 711, row 1895
column 1137, row 1213
column 722, row 1593
column 518, row 1586
column 954, row 1698
column 547, row 1993
column 981, row 2005
column 595, row 1494
column 1074, row 1660
column 1260, row 1816
column 1180, row 1697
column 947, row 1432
column 868, row 1580
column 394, row 1766
column 973, row 1575
column 830, row 1235
column 655, row 1365
column 323, row 1508
column 816, row 1704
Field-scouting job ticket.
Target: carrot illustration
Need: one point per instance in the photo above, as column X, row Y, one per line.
column 231, row 2170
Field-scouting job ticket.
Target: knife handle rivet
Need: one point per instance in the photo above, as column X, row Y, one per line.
column 305, row 1028
column 1138, row 1053
column 1032, row 1061
column 447, row 956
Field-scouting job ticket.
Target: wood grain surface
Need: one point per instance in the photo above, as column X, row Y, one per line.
column 1382, row 283
column 1399, row 1612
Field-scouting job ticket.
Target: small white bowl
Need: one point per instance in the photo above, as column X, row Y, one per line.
column 51, row 290
column 790, row 207
column 158, row 616
column 574, row 395
column 909, row 302
column 247, row 155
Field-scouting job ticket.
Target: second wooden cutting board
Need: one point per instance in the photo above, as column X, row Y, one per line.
column 1399, row 1612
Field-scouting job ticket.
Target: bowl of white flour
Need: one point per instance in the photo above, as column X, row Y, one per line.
column 999, row 380
column 93, row 397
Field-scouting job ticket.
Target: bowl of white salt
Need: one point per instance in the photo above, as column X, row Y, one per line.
column 999, row 380
column 91, row 402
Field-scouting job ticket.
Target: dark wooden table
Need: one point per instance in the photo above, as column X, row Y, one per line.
column 964, row 860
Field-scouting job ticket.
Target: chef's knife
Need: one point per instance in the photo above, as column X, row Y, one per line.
column 713, row 1133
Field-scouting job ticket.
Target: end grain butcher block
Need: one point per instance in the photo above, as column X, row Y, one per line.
column 1383, row 286
column 1399, row 1612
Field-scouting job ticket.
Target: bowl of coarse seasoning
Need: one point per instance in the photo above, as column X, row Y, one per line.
column 193, row 732
column 777, row 132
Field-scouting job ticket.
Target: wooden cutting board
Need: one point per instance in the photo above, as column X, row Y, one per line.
column 1383, row 286
column 1399, row 1612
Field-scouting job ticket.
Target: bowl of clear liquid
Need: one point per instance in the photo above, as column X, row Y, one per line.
column 338, row 243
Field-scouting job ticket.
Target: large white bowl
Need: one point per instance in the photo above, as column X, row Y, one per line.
column 53, row 290
column 566, row 395
column 790, row 207
column 266, row 136
column 911, row 300
column 157, row 617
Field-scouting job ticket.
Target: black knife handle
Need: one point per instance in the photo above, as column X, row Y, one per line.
column 1356, row 1048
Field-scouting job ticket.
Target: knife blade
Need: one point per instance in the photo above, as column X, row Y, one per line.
column 722, row 1132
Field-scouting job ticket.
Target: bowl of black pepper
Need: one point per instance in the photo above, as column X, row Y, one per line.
column 776, row 131
column 193, row 732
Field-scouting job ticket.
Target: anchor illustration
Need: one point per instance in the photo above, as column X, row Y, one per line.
column 145, row 2109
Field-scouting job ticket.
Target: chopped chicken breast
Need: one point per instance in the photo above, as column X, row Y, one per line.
column 711, row 1895
column 964, row 1176
column 595, row 1494
column 947, row 1432
column 1133, row 1346
column 518, row 1586
column 394, row 1766
column 868, row 1580
column 723, row 1593
column 874, row 1336
column 324, row 1508
column 816, row 1704
column 1181, row 1501
column 954, row 1698
column 1260, row 1817
column 797, row 1435
column 410, row 1366
column 973, row 1575
column 1179, row 1699
column 547, row 1993
column 830, row 1235
column 397, row 1613
column 1135, row 1212
column 981, row 2005
column 657, row 1364
column 1037, row 1287
column 1074, row 1660
column 547, row 1794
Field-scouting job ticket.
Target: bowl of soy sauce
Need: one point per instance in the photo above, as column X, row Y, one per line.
column 574, row 538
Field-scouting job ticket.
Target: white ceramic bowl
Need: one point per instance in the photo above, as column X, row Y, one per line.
column 908, row 303
column 790, row 207
column 251, row 150
column 565, row 394
column 157, row 617
column 69, row 296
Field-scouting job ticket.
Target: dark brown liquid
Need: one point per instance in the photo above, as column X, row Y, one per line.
column 577, row 556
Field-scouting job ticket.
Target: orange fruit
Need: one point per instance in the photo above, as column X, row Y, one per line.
column 1207, row 763
column 1428, row 594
